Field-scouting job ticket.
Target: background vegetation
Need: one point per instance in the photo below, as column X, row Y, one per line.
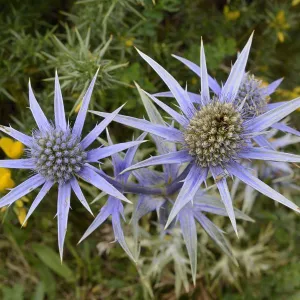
column 37, row 37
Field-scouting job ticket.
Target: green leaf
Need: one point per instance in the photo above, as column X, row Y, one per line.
column 14, row 293
column 51, row 260
column 39, row 293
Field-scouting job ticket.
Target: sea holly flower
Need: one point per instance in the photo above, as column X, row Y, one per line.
column 213, row 136
column 170, row 182
column 57, row 154
column 114, row 206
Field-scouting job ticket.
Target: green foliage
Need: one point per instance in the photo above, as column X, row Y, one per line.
column 77, row 38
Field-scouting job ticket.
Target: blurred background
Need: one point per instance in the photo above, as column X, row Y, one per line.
column 77, row 37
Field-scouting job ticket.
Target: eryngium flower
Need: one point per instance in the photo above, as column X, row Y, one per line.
column 170, row 181
column 220, row 129
column 57, row 154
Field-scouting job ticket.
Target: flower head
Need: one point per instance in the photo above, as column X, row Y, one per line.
column 58, row 154
column 158, row 193
column 245, row 131
column 214, row 134
column 254, row 96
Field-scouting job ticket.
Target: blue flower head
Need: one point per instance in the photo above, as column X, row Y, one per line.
column 58, row 154
column 157, row 192
column 214, row 135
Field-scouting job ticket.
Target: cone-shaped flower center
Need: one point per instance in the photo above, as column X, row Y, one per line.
column 214, row 134
column 58, row 154
column 250, row 91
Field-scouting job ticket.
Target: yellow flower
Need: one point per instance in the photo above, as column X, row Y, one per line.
column 19, row 203
column 295, row 2
column 21, row 213
column 194, row 80
column 263, row 83
column 20, row 210
column 280, row 24
column 78, row 107
column 13, row 149
column 7, row 183
column 129, row 42
column 231, row 15
column 290, row 94
column 280, row 36
column 22, row 216
column 5, row 180
column 281, row 21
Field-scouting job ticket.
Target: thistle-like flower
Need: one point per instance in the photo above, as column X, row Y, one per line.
column 158, row 191
column 216, row 140
column 57, row 154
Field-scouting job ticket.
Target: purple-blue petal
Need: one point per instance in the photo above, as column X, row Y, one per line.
column 77, row 128
column 205, row 97
column 63, row 207
column 190, row 186
column 78, row 192
column 270, row 89
column 213, row 84
column 177, row 157
column 168, row 133
column 22, row 189
column 214, row 232
column 98, row 181
column 262, row 141
column 23, row 138
column 245, row 176
column 285, row 128
column 271, row 117
column 93, row 135
column 232, row 85
column 174, row 114
column 23, row 163
column 103, row 152
column 189, row 233
column 118, row 231
column 59, row 110
column 195, row 98
column 225, row 194
column 271, row 106
column 267, row 154
column 40, row 196
column 39, row 116
column 186, row 106
column 105, row 212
